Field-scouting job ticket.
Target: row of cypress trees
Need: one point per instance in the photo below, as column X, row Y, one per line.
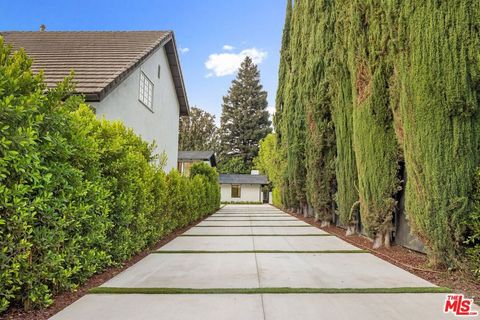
column 366, row 86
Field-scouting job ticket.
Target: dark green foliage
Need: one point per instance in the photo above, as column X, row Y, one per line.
column 245, row 119
column 198, row 131
column 342, row 114
column 234, row 164
column 293, row 112
column 281, row 188
column 320, row 148
column 374, row 138
column 77, row 194
column 439, row 76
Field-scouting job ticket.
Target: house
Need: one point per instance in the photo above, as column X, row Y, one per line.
column 187, row 158
column 132, row 76
column 243, row 187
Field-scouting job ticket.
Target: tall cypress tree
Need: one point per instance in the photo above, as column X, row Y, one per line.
column 320, row 145
column 294, row 109
column 245, row 119
column 376, row 148
column 439, row 86
column 342, row 113
column 283, row 73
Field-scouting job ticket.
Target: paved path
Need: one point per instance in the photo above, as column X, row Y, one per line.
column 233, row 265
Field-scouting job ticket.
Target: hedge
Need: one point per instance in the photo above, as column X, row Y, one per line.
column 77, row 194
column 399, row 82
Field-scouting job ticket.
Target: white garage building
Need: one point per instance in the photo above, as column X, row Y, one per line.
column 242, row 187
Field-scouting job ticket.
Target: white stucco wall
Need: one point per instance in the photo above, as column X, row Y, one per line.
column 160, row 124
column 249, row 192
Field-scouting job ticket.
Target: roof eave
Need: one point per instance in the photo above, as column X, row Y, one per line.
column 177, row 76
column 169, row 43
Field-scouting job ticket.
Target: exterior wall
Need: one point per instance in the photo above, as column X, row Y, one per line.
column 160, row 124
column 249, row 192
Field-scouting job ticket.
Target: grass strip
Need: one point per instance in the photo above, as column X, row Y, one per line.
column 258, row 235
column 260, row 226
column 282, row 290
column 250, row 216
column 259, row 251
column 247, row 220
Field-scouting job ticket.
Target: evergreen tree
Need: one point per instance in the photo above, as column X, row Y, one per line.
column 374, row 139
column 342, row 114
column 320, row 145
column 198, row 131
column 439, row 87
column 279, row 123
column 245, row 119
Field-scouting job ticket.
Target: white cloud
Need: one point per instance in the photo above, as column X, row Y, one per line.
column 184, row 50
column 224, row 64
column 228, row 47
column 271, row 110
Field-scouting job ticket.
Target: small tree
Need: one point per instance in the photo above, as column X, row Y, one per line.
column 270, row 162
column 198, row 131
column 245, row 119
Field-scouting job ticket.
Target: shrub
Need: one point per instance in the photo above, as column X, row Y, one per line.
column 473, row 230
column 77, row 194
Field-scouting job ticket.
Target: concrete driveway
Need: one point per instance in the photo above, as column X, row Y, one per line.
column 256, row 262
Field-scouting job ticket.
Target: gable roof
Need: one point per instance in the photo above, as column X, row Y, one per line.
column 242, row 178
column 198, row 155
column 100, row 59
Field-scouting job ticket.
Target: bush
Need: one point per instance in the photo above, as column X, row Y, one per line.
column 473, row 230
column 77, row 194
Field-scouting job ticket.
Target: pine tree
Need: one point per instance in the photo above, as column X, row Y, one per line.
column 245, row 119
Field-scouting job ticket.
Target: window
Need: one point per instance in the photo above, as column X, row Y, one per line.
column 146, row 91
column 236, row 191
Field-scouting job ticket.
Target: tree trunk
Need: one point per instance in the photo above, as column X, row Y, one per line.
column 350, row 230
column 325, row 224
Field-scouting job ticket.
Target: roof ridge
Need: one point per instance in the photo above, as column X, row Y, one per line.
column 124, row 51
column 82, row 31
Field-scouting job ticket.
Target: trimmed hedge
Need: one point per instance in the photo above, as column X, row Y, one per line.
column 399, row 82
column 77, row 194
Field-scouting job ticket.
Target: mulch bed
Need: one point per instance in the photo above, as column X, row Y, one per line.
column 67, row 298
column 412, row 261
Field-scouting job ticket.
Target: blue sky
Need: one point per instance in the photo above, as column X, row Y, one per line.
column 205, row 31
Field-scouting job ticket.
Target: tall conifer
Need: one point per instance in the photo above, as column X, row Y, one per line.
column 245, row 119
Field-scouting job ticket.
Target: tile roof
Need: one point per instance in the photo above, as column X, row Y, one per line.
column 198, row 155
column 100, row 59
column 242, row 178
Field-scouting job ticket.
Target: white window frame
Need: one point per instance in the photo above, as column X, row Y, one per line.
column 145, row 91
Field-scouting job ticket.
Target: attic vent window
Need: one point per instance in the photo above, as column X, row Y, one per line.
column 146, row 91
